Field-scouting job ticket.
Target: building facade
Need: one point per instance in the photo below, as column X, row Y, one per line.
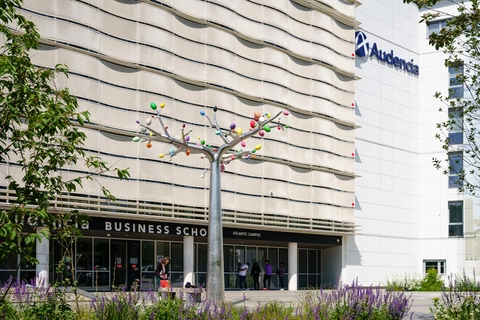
column 347, row 192
column 293, row 204
column 411, row 215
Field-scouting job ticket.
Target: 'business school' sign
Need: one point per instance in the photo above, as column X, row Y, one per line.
column 174, row 229
column 149, row 227
column 365, row 48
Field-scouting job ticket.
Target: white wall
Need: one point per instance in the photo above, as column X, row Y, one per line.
column 387, row 148
column 401, row 199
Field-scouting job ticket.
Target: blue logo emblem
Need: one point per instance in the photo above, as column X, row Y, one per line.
column 362, row 44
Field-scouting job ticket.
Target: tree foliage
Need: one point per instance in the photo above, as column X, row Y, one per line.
column 459, row 41
column 40, row 135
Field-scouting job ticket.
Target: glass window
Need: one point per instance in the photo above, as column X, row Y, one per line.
column 455, row 137
column 438, row 265
column 202, row 258
column 456, row 92
column 163, row 249
column 229, row 259
column 84, row 254
column 239, row 256
column 84, row 266
column 148, row 263
column 319, row 262
column 201, row 264
column 455, row 227
column 101, row 252
column 456, row 166
column 302, row 261
column 101, row 264
column 33, row 253
column 262, row 256
column 273, row 258
column 436, row 26
column 9, row 262
column 283, row 255
column 456, row 84
column 455, row 119
column 312, row 261
column 176, row 263
column 251, row 255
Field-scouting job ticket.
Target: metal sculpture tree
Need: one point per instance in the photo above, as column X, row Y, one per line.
column 218, row 157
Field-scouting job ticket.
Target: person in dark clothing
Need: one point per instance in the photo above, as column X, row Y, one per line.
column 281, row 275
column 161, row 271
column 256, row 275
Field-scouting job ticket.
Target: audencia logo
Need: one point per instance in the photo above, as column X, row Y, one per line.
column 363, row 49
column 362, row 44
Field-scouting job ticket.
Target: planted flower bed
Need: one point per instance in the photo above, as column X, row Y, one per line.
column 353, row 301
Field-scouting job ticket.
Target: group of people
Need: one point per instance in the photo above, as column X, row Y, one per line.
column 161, row 274
column 255, row 273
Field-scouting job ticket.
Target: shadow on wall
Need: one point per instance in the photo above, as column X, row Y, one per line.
column 357, row 157
column 357, row 110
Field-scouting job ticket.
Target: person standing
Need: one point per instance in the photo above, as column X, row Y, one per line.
column 268, row 275
column 281, row 275
column 242, row 274
column 256, row 275
column 161, row 271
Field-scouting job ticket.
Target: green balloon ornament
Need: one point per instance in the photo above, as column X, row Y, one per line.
column 153, row 106
column 266, row 128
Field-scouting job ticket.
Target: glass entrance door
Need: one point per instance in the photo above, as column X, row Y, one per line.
column 126, row 264
column 133, row 272
column 119, row 267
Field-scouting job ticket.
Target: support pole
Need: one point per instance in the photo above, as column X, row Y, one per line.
column 188, row 262
column 42, row 267
column 215, row 277
column 292, row 266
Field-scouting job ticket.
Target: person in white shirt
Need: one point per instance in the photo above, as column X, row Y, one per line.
column 242, row 274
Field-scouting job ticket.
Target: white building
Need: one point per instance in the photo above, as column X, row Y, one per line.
column 411, row 216
column 347, row 192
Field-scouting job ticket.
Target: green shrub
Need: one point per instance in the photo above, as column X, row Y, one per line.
column 50, row 309
column 7, row 311
column 431, row 281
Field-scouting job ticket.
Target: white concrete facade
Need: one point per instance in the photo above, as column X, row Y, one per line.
column 402, row 200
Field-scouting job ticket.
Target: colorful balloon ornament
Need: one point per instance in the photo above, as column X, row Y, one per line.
column 261, row 124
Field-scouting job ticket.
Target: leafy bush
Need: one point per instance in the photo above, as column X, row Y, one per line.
column 7, row 311
column 51, row 309
column 431, row 281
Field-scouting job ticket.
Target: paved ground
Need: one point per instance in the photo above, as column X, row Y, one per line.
column 422, row 301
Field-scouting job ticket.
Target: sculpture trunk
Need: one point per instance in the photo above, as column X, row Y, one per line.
column 215, row 277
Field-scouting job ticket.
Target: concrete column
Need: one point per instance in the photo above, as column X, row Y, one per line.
column 293, row 266
column 188, row 260
column 43, row 251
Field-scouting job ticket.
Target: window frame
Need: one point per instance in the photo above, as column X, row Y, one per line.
column 455, row 223
column 441, row 265
column 436, row 26
column 455, row 166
